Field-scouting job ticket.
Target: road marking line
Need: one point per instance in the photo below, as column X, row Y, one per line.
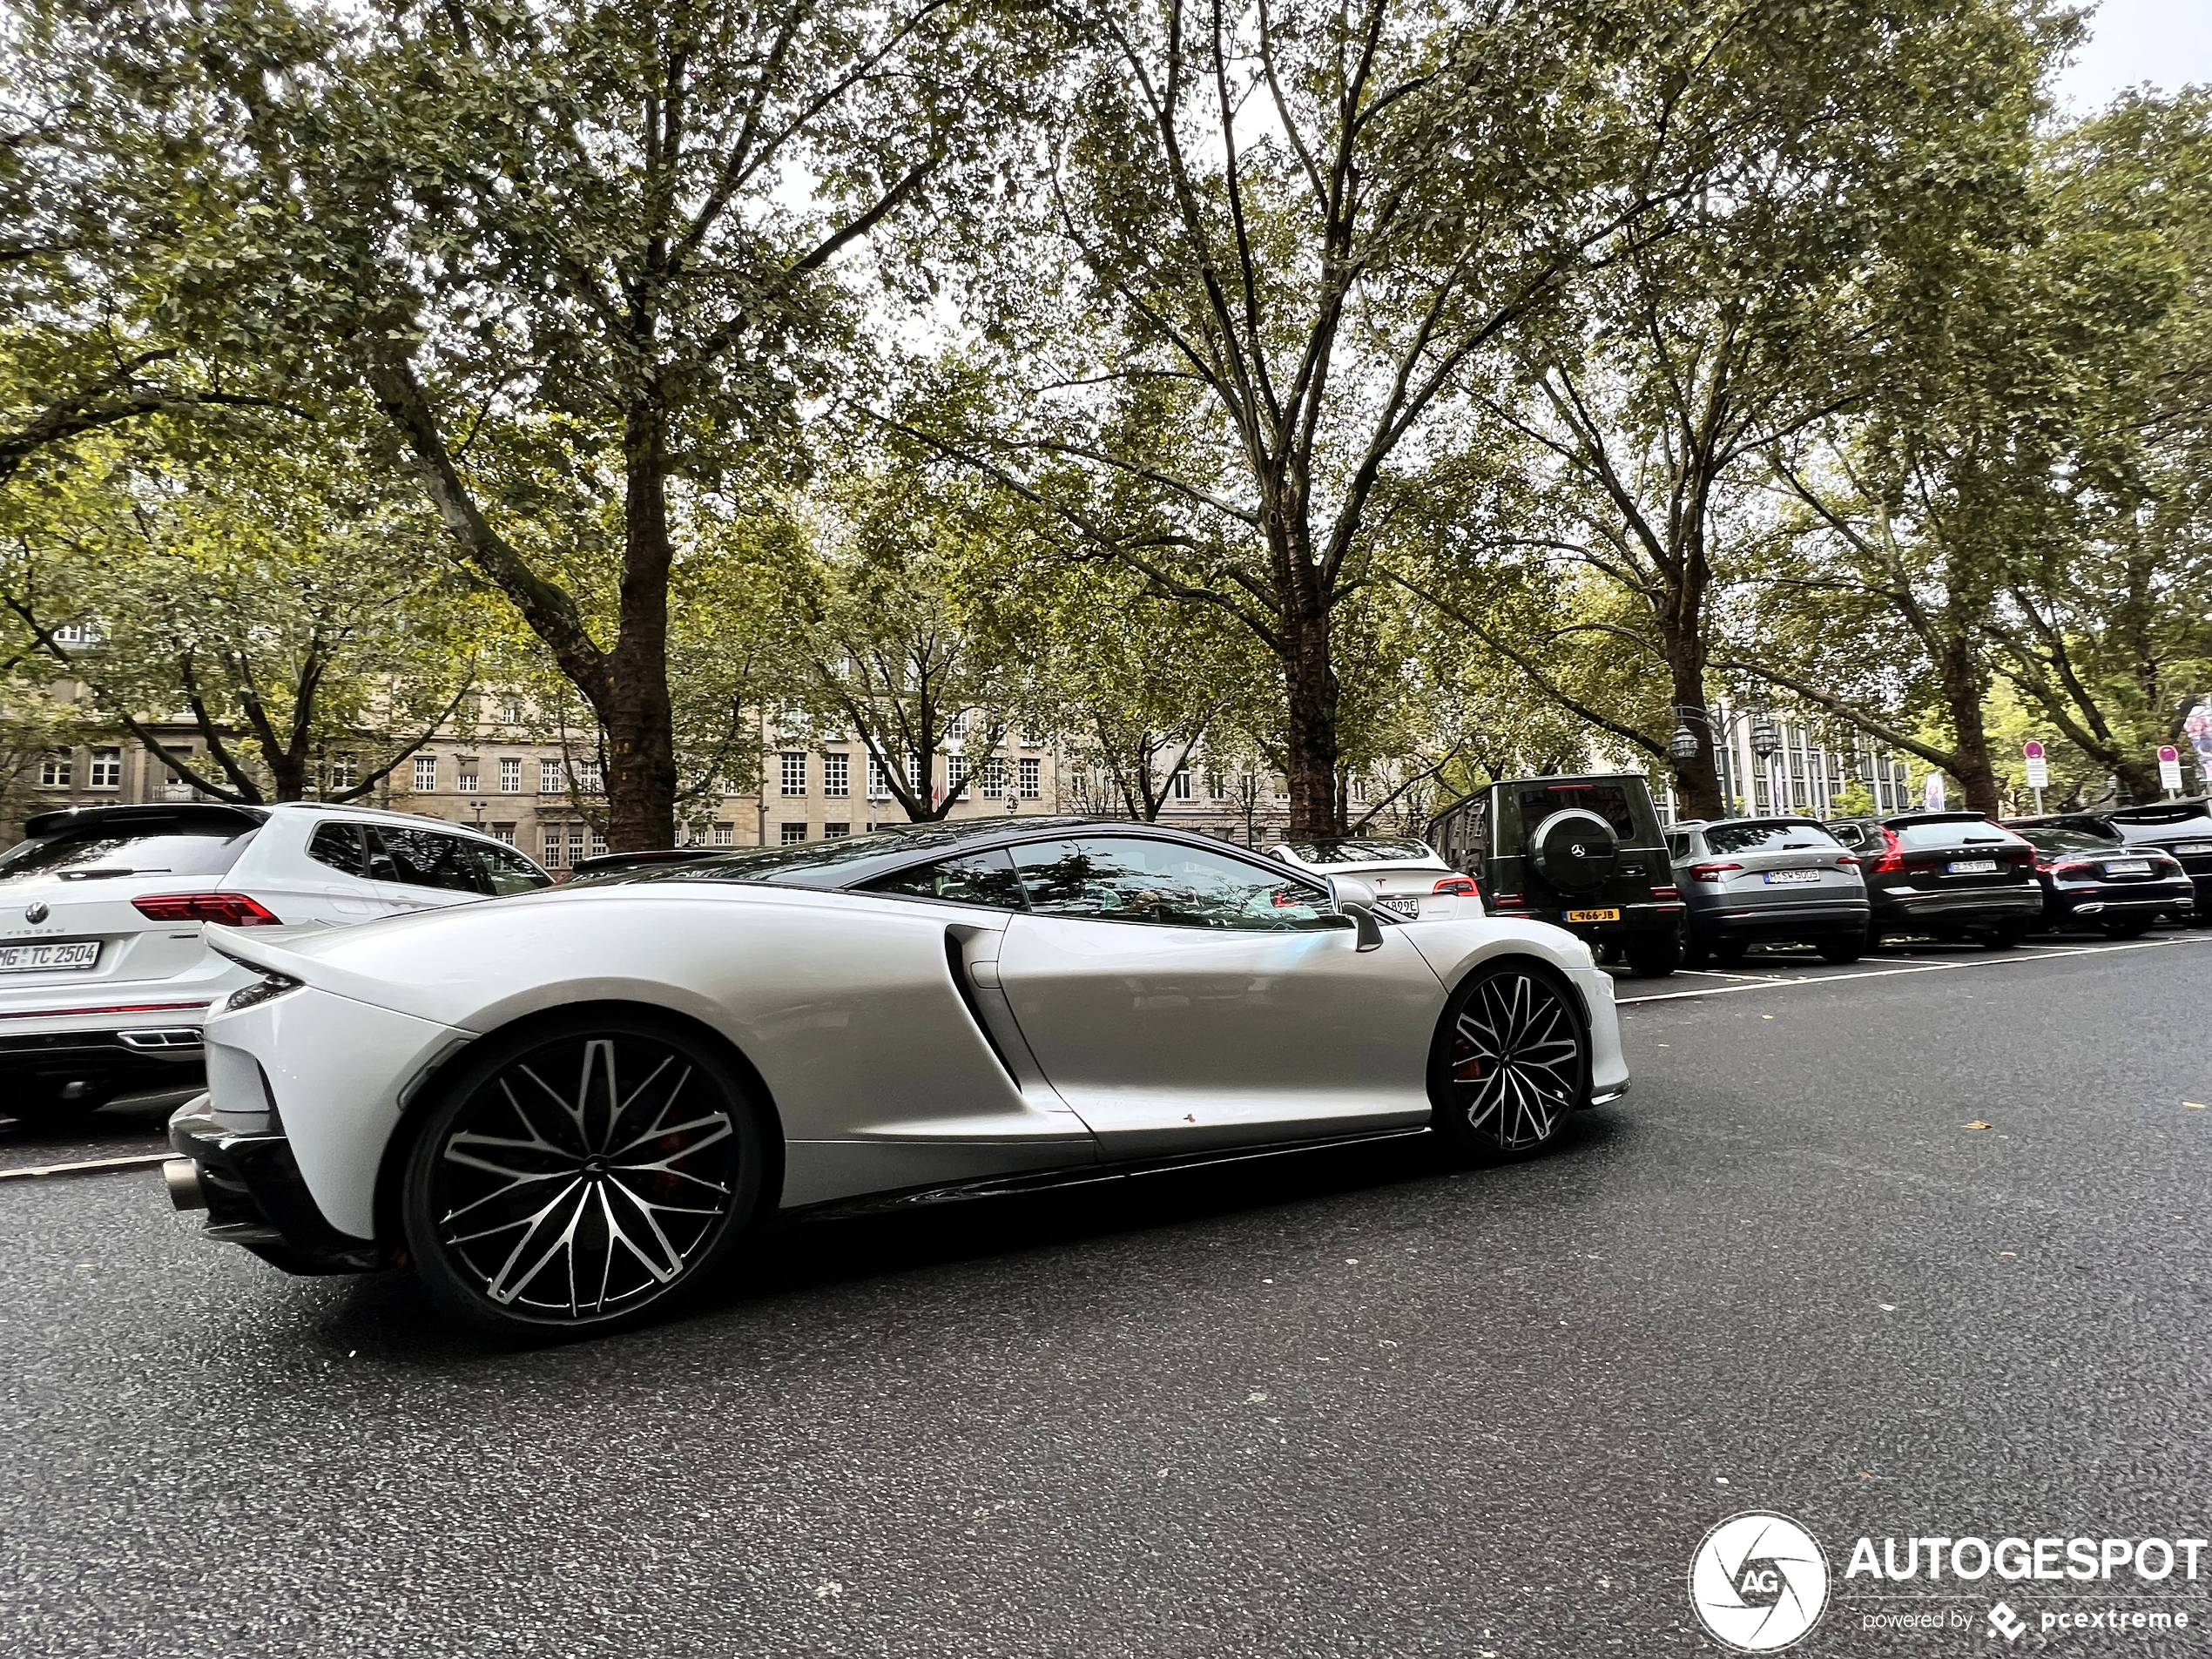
column 1992, row 960
column 89, row 1166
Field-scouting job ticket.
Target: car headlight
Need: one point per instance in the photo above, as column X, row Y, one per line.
column 266, row 989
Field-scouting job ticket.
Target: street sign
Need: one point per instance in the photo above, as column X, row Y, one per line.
column 2039, row 768
column 2169, row 768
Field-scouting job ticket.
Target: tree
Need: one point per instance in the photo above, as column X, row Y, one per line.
column 608, row 239
column 283, row 603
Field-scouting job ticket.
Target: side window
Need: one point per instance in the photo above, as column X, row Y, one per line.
column 508, row 871
column 1677, row 845
column 340, row 846
column 424, row 859
column 1166, row 884
column 978, row 878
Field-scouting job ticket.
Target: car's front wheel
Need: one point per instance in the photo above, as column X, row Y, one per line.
column 578, row 1180
column 1511, row 1061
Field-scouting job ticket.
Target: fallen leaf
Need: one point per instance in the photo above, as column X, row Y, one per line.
column 1866, row 1474
column 2194, row 1105
column 2012, row 1253
column 1977, row 1124
column 1886, row 1307
column 1766, row 1017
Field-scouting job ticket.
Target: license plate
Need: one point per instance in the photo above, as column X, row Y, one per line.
column 1593, row 916
column 1973, row 866
column 45, row 958
column 2128, row 867
column 2193, row 847
column 1777, row 877
column 1405, row 905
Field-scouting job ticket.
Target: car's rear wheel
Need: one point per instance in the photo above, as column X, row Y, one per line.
column 1511, row 1061
column 576, row 1181
column 1655, row 958
column 41, row 1105
column 2133, row 927
column 1729, row 952
column 1845, row 947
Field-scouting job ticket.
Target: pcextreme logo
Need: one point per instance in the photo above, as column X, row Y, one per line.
column 1758, row 1582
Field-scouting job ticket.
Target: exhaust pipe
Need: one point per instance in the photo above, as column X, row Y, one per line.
column 182, row 1178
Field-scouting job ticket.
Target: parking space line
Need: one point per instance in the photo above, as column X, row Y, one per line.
column 1992, row 960
column 88, row 1166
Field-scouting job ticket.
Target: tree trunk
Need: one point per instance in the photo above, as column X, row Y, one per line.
column 638, row 715
column 1698, row 780
column 1310, row 753
column 1962, row 695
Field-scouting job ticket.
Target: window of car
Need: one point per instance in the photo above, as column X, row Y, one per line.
column 976, row 877
column 2067, row 840
column 1523, row 807
column 507, row 871
column 1778, row 835
column 1165, row 884
column 1372, row 850
column 424, row 859
column 339, row 846
column 1677, row 844
column 146, row 846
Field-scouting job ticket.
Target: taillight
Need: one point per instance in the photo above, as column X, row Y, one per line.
column 232, row 909
column 1847, row 862
column 1503, row 900
column 1893, row 860
column 1664, row 894
column 1711, row 872
column 2070, row 866
column 1459, row 886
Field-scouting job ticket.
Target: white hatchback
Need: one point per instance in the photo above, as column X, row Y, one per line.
column 104, row 979
column 1409, row 876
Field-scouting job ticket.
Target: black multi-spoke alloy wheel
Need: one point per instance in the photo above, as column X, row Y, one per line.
column 1512, row 1060
column 578, row 1180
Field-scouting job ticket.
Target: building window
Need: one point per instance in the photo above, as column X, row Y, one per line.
column 793, row 765
column 837, row 774
column 955, row 772
column 917, row 772
column 510, row 711
column 587, row 778
column 726, row 835
column 576, row 842
column 510, row 775
column 550, row 781
column 1217, row 786
column 341, row 772
column 464, row 778
column 107, row 769
column 990, row 778
column 503, row 832
column 1358, row 787
column 1032, row 740
column 956, row 728
column 836, row 832
column 793, row 834
column 1032, row 779
column 426, row 773
column 879, row 785
column 598, row 844
column 53, row 772
column 552, row 846
column 1179, row 785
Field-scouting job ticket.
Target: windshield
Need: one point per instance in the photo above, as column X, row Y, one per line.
column 2066, row 840
column 1780, row 836
column 1364, row 852
column 1951, row 832
column 95, row 853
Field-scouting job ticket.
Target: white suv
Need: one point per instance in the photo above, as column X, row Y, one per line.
column 103, row 978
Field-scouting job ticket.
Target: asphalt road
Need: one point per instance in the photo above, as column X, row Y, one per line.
column 1352, row 1405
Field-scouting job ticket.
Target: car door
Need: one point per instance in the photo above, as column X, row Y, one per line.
column 1179, row 998
column 337, row 876
column 421, row 869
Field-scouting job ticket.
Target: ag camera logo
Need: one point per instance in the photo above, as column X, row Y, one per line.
column 1758, row 1582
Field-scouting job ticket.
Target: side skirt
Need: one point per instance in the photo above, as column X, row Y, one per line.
column 1000, row 1186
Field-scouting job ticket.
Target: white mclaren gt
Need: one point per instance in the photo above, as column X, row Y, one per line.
column 563, row 1109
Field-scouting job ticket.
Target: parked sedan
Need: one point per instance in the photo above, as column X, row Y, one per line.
column 104, row 980
column 1408, row 876
column 1784, row 879
column 1951, row 875
column 2101, row 882
column 2180, row 829
column 563, row 1109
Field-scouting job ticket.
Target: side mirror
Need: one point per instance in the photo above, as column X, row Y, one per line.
column 1355, row 899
